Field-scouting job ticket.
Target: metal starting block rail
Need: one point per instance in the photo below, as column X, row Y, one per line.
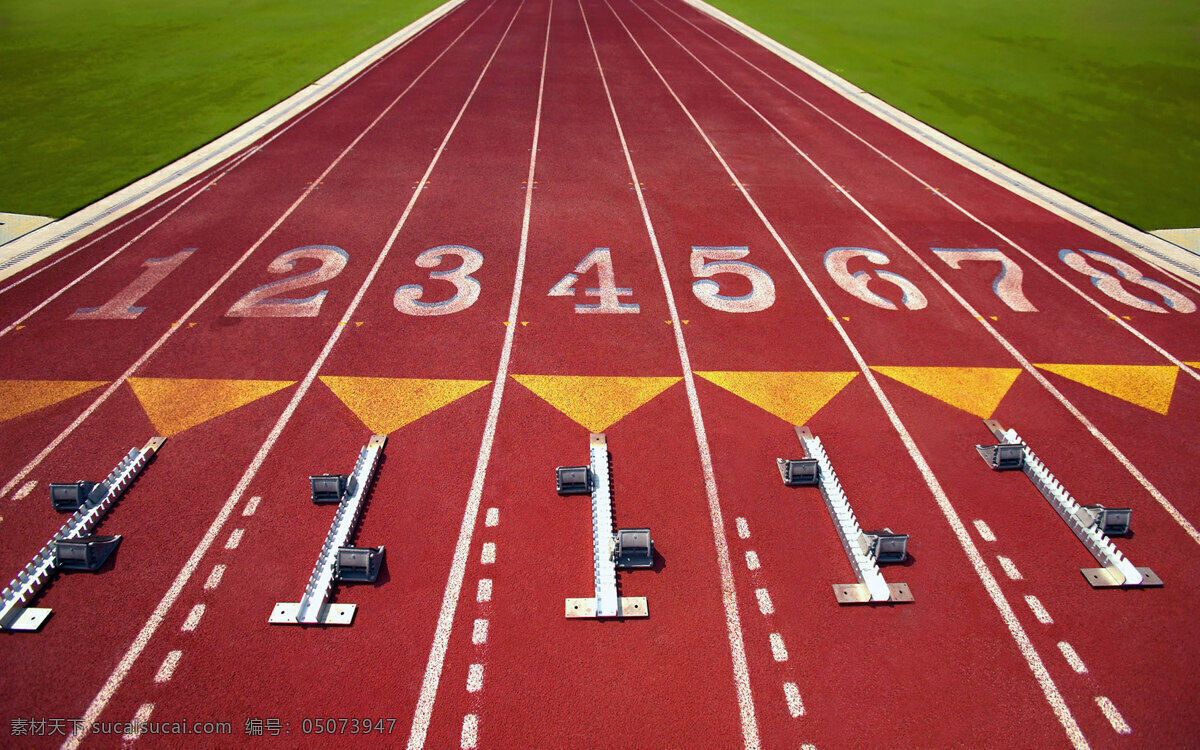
column 338, row 562
column 865, row 549
column 72, row 547
column 1092, row 524
column 629, row 548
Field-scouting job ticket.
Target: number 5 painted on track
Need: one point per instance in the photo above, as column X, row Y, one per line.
column 407, row 298
column 1007, row 285
column 726, row 260
column 1111, row 286
column 836, row 261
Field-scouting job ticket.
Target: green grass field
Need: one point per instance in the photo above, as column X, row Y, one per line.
column 1098, row 98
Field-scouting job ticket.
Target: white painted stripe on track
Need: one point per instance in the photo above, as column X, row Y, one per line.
column 1072, row 657
column 475, row 678
column 1025, row 364
column 160, row 612
column 26, row 488
column 752, row 560
column 483, row 593
column 1113, row 715
column 462, row 548
column 141, row 716
column 235, row 538
column 778, row 650
column 764, row 602
column 985, row 531
column 961, row 209
column 251, row 506
column 470, row 732
column 193, row 618
column 733, row 620
column 1010, row 568
column 792, row 694
column 166, row 670
column 112, row 388
column 479, row 632
column 214, row 578
column 488, row 555
column 492, row 518
column 1032, row 658
column 1038, row 610
column 743, row 528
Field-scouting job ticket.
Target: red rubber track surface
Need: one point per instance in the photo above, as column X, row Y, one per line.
column 745, row 645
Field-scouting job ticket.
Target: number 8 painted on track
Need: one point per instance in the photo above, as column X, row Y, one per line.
column 407, row 298
column 856, row 283
column 1111, row 286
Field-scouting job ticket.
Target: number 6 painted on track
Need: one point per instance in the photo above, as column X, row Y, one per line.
column 407, row 298
column 1111, row 286
column 836, row 261
column 725, row 260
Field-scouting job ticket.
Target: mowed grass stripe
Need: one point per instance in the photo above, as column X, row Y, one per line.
column 1097, row 98
column 98, row 95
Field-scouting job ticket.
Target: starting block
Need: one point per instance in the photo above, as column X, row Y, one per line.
column 628, row 548
column 337, row 562
column 73, row 547
column 1092, row 524
column 867, row 550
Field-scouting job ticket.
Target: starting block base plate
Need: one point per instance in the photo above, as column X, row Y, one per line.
column 857, row 593
column 28, row 618
column 286, row 613
column 627, row 606
column 1100, row 578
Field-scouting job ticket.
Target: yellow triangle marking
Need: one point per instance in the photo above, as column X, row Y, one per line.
column 1192, row 364
column 524, row 322
column 18, row 328
column 176, row 404
column 794, row 397
column 191, row 325
column 1148, row 386
column 508, row 322
column 976, row 390
column 357, row 323
column 19, row 397
column 686, row 322
column 595, row 402
column 993, row 317
column 846, row 318
column 386, row 404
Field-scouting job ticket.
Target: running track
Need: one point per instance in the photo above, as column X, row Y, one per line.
column 884, row 295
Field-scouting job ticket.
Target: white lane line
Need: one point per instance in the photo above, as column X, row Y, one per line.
column 1038, row 610
column 1068, row 652
column 985, row 532
column 778, row 650
column 488, row 555
column 475, row 678
column 214, row 578
column 1001, row 236
column 235, row 538
column 177, row 325
column 166, row 670
column 764, row 602
column 1032, row 658
column 752, row 560
column 26, row 488
column 251, row 506
column 794, row 704
column 1010, row 568
column 193, row 618
column 151, row 626
column 140, row 717
column 492, row 518
column 733, row 620
column 1008, row 346
column 743, row 528
column 479, row 632
column 484, row 592
column 470, row 730
column 462, row 548
column 1113, row 715
column 808, row 747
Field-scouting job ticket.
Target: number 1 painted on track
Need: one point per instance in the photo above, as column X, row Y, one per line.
column 122, row 306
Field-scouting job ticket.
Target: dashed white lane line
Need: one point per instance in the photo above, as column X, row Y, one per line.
column 778, row 650
column 251, row 505
column 752, row 560
column 140, row 717
column 193, row 618
column 984, row 532
column 1010, row 568
column 166, row 670
column 764, row 602
column 1113, row 715
column 488, row 556
column 235, row 538
column 743, row 528
column 470, row 732
column 1038, row 610
column 479, row 633
column 475, row 678
column 808, row 747
column 795, row 705
column 484, row 593
column 1072, row 657
column 492, row 518
column 214, row 578
column 25, row 489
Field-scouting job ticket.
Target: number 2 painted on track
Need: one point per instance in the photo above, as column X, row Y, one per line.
column 263, row 301
column 407, row 298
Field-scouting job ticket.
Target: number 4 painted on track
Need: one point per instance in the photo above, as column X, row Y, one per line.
column 608, row 292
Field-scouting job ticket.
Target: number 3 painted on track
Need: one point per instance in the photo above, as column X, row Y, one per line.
column 407, row 298
column 725, row 260
column 836, row 261
column 1111, row 286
